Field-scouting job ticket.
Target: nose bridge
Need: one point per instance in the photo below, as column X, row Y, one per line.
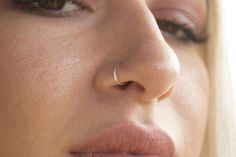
column 135, row 28
column 136, row 19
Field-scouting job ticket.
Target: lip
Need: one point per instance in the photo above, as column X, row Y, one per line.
column 127, row 140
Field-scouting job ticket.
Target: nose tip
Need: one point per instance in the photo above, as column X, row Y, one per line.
column 155, row 75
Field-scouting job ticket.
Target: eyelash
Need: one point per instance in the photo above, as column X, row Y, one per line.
column 180, row 31
column 188, row 33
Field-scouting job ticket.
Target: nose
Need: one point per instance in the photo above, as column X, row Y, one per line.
column 144, row 61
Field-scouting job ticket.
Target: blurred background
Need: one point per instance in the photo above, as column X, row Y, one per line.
column 229, row 21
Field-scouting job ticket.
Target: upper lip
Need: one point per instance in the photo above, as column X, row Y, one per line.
column 131, row 139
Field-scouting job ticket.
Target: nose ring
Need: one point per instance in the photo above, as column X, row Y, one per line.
column 116, row 78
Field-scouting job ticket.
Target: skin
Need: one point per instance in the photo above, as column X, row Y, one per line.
column 56, row 76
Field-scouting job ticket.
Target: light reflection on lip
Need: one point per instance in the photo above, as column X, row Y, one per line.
column 127, row 140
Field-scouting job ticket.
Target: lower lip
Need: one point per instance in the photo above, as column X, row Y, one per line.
column 111, row 155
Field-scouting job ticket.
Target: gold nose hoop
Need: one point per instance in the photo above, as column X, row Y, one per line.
column 116, row 78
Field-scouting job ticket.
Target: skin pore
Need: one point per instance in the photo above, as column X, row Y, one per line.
column 56, row 74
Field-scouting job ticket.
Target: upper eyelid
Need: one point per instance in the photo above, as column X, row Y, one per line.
column 195, row 24
column 193, row 9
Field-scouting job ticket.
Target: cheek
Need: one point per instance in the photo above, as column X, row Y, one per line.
column 36, row 58
column 193, row 86
column 35, row 74
column 42, row 67
column 190, row 101
column 35, row 83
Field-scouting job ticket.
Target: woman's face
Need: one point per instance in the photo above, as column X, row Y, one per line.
column 57, row 88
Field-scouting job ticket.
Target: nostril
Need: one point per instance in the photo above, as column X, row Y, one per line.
column 125, row 86
column 131, row 85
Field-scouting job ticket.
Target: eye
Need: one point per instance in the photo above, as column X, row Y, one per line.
column 52, row 4
column 54, row 8
column 182, row 32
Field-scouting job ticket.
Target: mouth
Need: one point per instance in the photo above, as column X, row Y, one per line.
column 127, row 140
